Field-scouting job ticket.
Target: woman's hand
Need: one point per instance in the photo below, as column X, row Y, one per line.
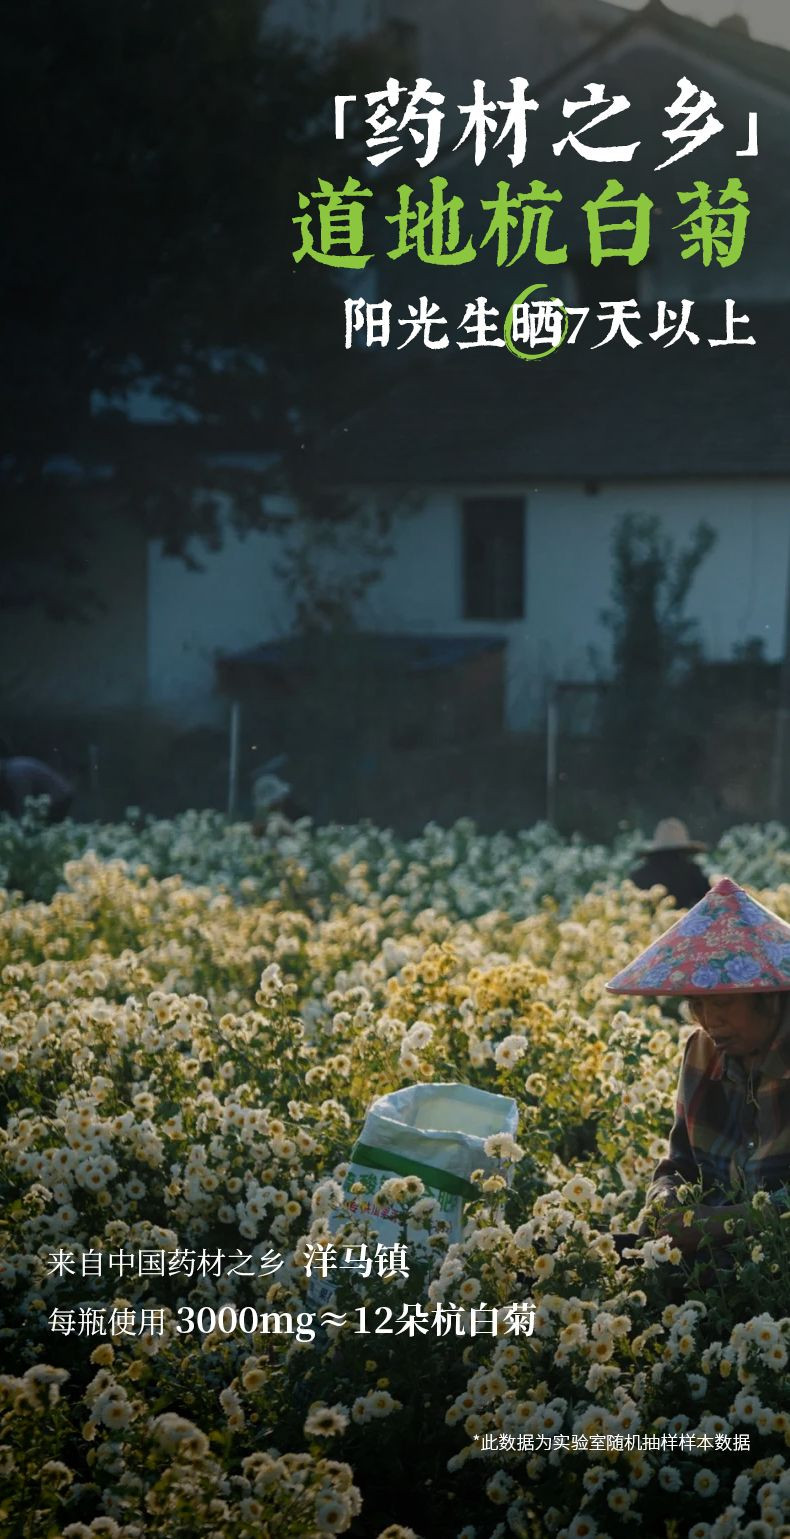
column 704, row 1222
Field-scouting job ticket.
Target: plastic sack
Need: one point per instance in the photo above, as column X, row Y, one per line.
column 436, row 1132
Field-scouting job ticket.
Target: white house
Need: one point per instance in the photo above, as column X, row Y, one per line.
column 505, row 481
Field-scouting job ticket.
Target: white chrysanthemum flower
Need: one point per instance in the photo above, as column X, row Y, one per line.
column 332, row 1514
column 583, row 1526
column 419, row 1035
column 508, row 1052
column 177, row 1434
column 746, row 1406
column 324, row 1420
column 499, row 1488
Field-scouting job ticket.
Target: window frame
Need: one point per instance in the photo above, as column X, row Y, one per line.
column 492, row 603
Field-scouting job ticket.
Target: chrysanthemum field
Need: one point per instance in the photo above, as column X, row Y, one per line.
column 194, row 1022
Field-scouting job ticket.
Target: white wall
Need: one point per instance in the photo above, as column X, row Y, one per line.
column 236, row 601
column 739, row 592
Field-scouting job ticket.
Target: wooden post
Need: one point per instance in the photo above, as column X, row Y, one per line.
column 552, row 734
column 233, row 758
column 779, row 770
column 93, row 779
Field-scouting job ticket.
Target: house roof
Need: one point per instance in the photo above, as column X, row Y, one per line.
column 766, row 62
column 738, row 50
column 410, row 654
column 459, row 39
column 644, row 58
column 484, row 417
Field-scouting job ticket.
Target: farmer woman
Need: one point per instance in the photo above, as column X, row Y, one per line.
column 730, row 958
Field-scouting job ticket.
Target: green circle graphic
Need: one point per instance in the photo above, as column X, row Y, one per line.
column 519, row 299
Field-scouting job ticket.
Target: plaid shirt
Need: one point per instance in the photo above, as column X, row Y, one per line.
column 731, row 1129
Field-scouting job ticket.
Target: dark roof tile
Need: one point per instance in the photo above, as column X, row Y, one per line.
column 650, row 413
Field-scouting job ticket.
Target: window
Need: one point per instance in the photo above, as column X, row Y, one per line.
column 493, row 558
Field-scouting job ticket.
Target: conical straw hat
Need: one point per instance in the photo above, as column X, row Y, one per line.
column 726, row 944
column 671, row 835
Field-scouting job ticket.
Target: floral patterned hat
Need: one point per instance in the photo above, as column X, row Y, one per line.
column 727, row 943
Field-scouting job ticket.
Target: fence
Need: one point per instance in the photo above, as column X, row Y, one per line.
column 339, row 771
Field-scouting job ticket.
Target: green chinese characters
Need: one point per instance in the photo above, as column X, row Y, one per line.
column 332, row 225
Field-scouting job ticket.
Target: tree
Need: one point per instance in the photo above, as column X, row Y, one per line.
column 654, row 645
column 158, row 152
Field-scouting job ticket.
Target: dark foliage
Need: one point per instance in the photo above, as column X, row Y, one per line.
column 157, row 156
